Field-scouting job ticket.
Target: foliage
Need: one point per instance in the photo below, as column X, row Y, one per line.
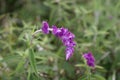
column 95, row 23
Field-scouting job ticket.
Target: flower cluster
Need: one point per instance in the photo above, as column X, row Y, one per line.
column 89, row 59
column 63, row 34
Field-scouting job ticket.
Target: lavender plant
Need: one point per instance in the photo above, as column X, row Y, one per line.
column 67, row 39
column 63, row 34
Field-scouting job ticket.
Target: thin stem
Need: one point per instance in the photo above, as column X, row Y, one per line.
column 88, row 73
column 36, row 32
column 50, row 29
column 88, row 70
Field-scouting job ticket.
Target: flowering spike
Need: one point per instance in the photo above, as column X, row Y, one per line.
column 67, row 39
column 63, row 34
column 45, row 27
column 89, row 59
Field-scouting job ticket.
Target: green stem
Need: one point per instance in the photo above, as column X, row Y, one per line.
column 88, row 73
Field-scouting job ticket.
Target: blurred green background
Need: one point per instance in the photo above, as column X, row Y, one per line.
column 95, row 23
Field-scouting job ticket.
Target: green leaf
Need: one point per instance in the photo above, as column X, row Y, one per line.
column 20, row 66
column 100, row 68
column 98, row 77
column 32, row 61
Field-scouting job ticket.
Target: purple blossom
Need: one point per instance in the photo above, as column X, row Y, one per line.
column 45, row 27
column 67, row 39
column 64, row 35
column 68, row 42
column 56, row 31
column 89, row 59
column 69, row 52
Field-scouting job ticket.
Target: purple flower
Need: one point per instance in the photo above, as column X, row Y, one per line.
column 45, row 27
column 64, row 35
column 67, row 39
column 56, row 31
column 59, row 32
column 69, row 52
column 69, row 35
column 90, row 59
column 68, row 42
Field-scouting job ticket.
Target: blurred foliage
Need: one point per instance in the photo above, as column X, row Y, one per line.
column 95, row 23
